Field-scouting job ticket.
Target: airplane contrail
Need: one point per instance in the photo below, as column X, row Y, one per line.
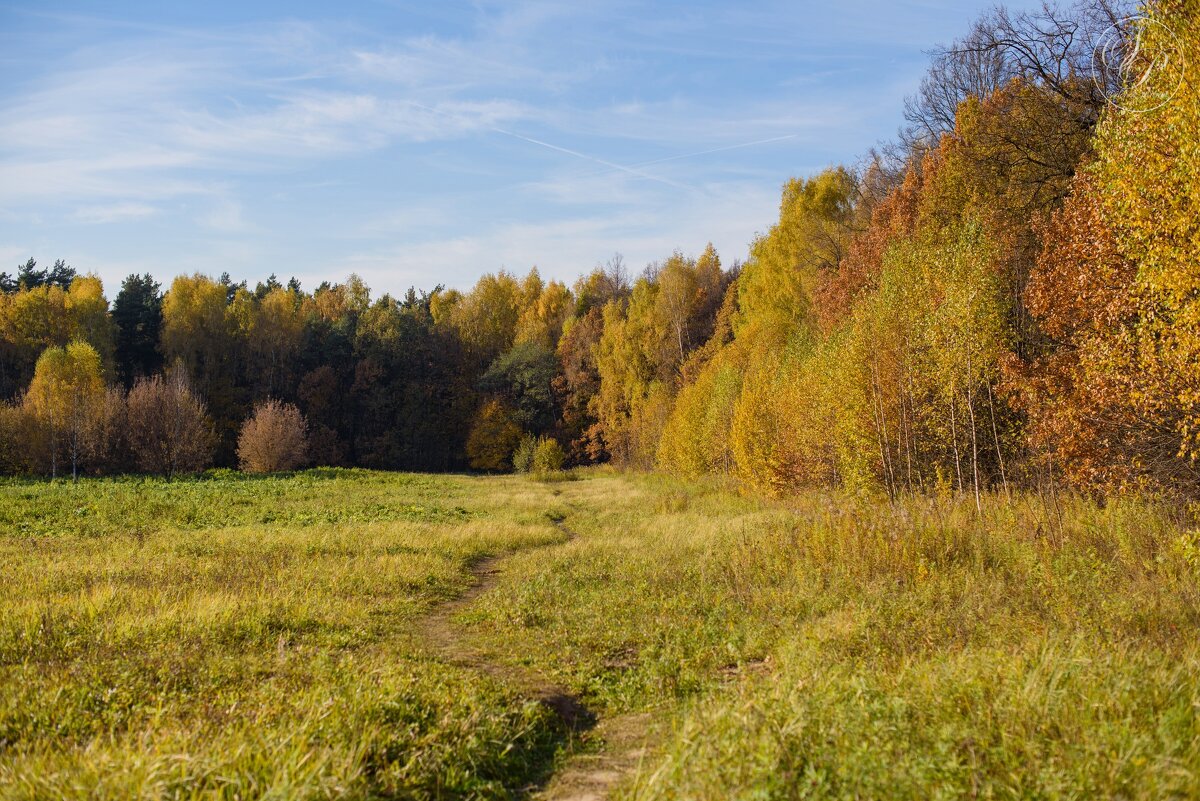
column 718, row 150
column 611, row 165
column 630, row 169
column 602, row 162
column 700, row 153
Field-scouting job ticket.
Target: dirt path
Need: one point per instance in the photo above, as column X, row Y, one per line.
column 603, row 751
column 607, row 754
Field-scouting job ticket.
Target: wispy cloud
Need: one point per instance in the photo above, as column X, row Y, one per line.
column 114, row 212
column 434, row 141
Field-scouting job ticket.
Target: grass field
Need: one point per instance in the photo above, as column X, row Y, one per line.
column 242, row 638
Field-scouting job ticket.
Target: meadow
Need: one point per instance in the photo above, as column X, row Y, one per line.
column 253, row 638
column 234, row 637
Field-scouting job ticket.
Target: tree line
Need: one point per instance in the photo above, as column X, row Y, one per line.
column 1006, row 295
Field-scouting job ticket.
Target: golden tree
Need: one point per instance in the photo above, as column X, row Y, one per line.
column 66, row 397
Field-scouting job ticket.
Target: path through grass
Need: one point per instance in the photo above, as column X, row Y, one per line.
column 249, row 638
column 245, row 638
column 831, row 647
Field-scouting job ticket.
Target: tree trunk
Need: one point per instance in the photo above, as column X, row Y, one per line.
column 954, row 437
column 996, row 438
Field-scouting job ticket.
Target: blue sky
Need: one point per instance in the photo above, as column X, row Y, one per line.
column 426, row 143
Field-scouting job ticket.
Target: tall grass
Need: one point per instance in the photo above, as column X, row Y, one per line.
column 251, row 638
column 835, row 647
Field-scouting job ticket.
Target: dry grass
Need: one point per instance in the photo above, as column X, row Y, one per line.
column 835, row 647
column 240, row 638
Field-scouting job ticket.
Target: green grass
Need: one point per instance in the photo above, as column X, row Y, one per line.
column 241, row 638
column 245, row 638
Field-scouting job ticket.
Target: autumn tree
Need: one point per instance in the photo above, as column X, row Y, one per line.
column 34, row 318
column 486, row 318
column 645, row 343
column 202, row 321
column 816, row 222
column 632, row 399
column 273, row 338
column 544, row 312
column 1114, row 396
column 578, row 381
column 606, row 282
column 523, row 379
column 274, row 439
column 493, row 439
column 66, row 399
column 690, row 292
column 1052, row 46
column 17, row 438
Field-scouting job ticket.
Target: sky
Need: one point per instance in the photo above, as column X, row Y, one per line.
column 426, row 143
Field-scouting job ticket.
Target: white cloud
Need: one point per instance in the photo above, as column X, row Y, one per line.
column 226, row 216
column 114, row 212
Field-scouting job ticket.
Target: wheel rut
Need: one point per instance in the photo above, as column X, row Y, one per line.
column 602, row 751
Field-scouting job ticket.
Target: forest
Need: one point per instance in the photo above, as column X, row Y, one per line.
column 1005, row 296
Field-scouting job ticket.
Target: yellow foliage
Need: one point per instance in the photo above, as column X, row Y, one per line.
column 1149, row 173
column 49, row 316
column 696, row 438
column 493, row 438
column 66, row 397
column 194, row 327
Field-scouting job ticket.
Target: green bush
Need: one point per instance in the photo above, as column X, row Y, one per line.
column 548, row 456
column 523, row 455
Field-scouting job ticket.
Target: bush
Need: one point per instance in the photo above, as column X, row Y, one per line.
column 274, row 439
column 169, row 430
column 548, row 456
column 523, row 455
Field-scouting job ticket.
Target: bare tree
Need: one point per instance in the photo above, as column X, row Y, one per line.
column 169, row 428
column 1054, row 47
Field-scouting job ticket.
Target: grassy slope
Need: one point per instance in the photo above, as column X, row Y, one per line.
column 241, row 638
column 829, row 648
column 249, row 637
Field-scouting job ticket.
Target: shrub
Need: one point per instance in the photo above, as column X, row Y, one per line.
column 169, row 430
column 110, row 450
column 274, row 439
column 523, row 455
column 548, row 456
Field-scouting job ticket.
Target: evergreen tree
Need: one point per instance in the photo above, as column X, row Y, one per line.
column 137, row 313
